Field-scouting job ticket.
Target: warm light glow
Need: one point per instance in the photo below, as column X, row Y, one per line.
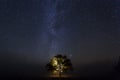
column 54, row 62
column 55, row 72
column 58, row 65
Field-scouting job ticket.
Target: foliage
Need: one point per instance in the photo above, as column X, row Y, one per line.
column 59, row 64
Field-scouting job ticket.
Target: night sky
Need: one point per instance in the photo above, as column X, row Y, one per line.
column 32, row 31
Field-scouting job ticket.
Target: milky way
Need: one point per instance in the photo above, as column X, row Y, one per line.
column 50, row 29
column 33, row 31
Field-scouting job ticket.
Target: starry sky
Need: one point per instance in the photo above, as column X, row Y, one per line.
column 32, row 31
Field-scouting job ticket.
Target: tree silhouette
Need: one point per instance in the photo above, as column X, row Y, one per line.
column 59, row 64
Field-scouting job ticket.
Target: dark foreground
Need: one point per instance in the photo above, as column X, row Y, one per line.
column 55, row 79
column 43, row 78
column 112, row 76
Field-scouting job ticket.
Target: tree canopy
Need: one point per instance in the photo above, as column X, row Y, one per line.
column 59, row 64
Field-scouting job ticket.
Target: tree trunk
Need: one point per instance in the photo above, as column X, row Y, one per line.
column 60, row 75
